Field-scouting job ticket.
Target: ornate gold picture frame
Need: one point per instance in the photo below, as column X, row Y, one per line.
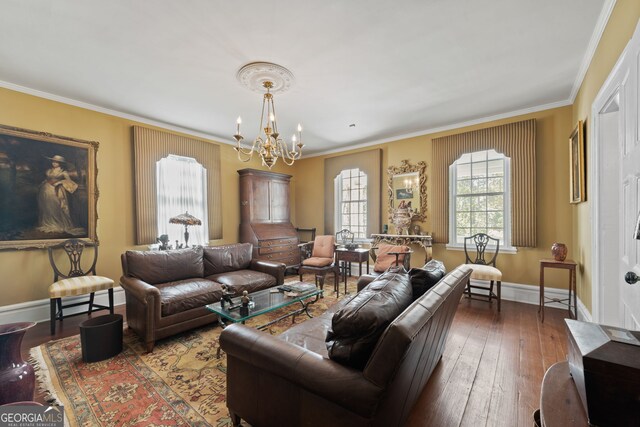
column 48, row 189
column 576, row 165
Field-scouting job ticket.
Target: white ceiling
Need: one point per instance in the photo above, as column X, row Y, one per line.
column 391, row 67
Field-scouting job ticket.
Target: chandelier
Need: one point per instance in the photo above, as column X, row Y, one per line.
column 268, row 143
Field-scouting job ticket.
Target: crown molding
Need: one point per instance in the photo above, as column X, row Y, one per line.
column 116, row 113
column 457, row 125
column 601, row 24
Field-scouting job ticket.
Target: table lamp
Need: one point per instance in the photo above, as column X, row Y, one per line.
column 185, row 219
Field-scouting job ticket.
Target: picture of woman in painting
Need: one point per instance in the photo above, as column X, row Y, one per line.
column 53, row 200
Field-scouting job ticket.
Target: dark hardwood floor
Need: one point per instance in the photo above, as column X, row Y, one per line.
column 489, row 375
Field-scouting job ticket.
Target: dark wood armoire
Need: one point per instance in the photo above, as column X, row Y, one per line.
column 265, row 219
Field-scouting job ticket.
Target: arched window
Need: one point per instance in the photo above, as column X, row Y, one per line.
column 351, row 202
column 479, row 197
column 182, row 187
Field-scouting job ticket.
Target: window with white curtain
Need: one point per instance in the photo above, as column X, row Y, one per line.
column 480, row 201
column 351, row 202
column 182, row 187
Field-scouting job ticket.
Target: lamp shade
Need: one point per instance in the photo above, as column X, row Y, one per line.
column 185, row 219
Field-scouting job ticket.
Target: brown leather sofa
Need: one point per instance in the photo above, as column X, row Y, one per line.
column 291, row 380
column 166, row 291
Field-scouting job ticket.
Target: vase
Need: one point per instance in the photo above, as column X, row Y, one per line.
column 401, row 219
column 16, row 376
column 559, row 251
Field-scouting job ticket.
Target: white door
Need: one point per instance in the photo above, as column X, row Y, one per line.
column 616, row 191
column 630, row 187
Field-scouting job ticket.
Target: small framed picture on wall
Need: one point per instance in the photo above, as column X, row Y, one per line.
column 576, row 165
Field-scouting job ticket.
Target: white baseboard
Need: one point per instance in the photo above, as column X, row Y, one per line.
column 583, row 313
column 38, row 311
column 530, row 294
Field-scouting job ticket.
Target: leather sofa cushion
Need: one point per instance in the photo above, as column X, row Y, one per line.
column 220, row 259
column 423, row 279
column 385, row 260
column 244, row 280
column 183, row 295
column 356, row 327
column 156, row 267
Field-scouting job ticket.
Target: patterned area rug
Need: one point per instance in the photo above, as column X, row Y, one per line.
column 180, row 384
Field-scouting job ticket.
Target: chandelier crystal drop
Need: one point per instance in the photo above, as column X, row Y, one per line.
column 268, row 143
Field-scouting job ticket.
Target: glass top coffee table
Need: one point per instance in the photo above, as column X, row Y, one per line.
column 263, row 302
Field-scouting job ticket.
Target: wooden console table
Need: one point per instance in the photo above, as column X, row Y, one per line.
column 567, row 264
column 405, row 239
column 560, row 403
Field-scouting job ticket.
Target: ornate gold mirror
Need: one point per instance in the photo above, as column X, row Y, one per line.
column 407, row 187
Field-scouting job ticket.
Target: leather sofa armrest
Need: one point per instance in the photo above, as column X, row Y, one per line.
column 340, row 384
column 140, row 290
column 276, row 269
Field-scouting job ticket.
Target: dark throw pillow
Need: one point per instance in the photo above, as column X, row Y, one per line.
column 356, row 327
column 423, row 279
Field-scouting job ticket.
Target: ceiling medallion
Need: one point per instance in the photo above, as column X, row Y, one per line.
column 253, row 75
column 267, row 78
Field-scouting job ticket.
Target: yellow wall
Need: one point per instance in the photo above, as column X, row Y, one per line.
column 617, row 34
column 26, row 274
column 552, row 157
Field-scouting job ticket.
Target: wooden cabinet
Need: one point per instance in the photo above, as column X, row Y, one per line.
column 265, row 216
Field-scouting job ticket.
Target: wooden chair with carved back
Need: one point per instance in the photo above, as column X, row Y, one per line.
column 483, row 269
column 77, row 281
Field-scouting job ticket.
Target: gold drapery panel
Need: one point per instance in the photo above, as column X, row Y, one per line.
column 370, row 162
column 516, row 141
column 151, row 145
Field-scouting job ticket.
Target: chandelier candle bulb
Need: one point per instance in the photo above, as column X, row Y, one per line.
column 238, row 122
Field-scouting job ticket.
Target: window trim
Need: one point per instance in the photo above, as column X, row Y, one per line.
column 504, row 248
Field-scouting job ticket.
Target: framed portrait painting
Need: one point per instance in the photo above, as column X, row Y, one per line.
column 48, row 189
column 576, row 165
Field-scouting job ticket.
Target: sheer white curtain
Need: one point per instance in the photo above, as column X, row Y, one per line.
column 182, row 187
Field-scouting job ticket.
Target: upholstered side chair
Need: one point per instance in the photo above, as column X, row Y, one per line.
column 321, row 261
column 475, row 248
column 76, row 281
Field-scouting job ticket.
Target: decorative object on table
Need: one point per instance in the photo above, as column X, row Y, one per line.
column 576, row 164
column 185, row 219
column 416, row 230
column 16, row 375
column 163, row 240
column 401, row 219
column 50, row 190
column 259, row 76
column 559, row 251
column 385, row 228
column 227, row 293
column 345, row 238
column 245, row 299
